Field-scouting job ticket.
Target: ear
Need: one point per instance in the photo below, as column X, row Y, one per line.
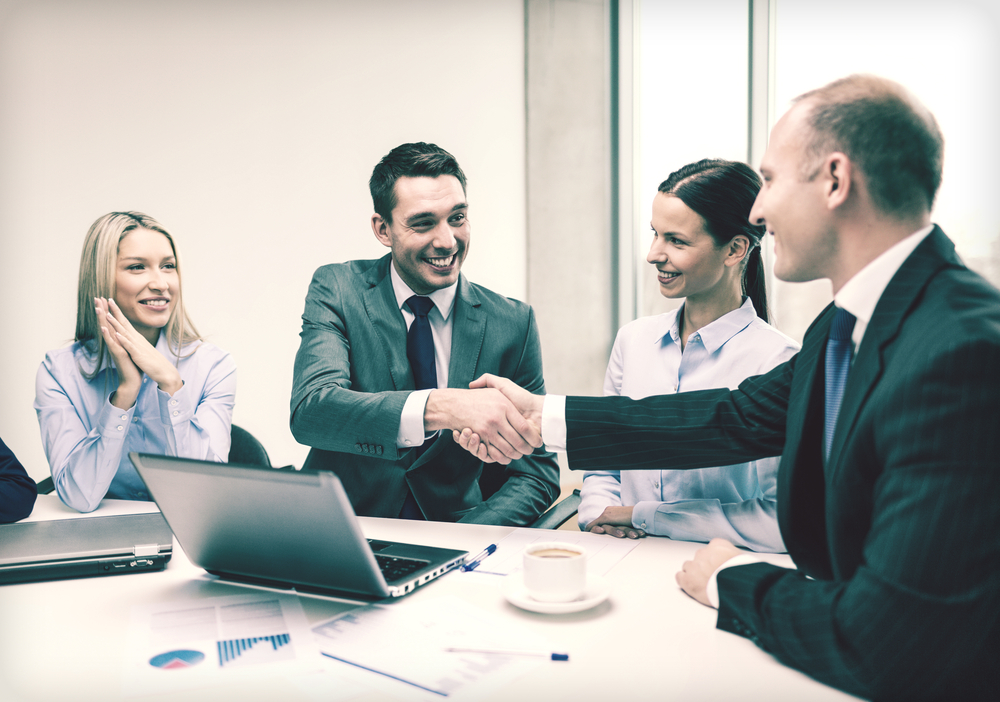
column 737, row 249
column 381, row 229
column 838, row 174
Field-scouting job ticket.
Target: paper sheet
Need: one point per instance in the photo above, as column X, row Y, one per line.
column 603, row 552
column 404, row 644
column 202, row 642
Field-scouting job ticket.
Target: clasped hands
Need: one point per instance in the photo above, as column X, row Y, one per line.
column 496, row 420
column 133, row 355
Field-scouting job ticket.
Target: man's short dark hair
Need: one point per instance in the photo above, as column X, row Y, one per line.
column 409, row 161
column 886, row 132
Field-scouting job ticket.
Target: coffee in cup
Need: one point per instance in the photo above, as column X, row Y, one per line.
column 555, row 571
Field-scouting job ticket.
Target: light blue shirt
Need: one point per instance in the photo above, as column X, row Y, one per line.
column 733, row 502
column 87, row 440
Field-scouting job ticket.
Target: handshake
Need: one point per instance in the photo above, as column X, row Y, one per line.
column 496, row 420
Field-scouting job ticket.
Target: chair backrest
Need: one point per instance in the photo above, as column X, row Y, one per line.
column 559, row 513
column 244, row 448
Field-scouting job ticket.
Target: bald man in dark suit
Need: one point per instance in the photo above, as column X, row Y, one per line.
column 887, row 420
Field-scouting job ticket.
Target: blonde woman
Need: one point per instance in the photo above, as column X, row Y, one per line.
column 138, row 377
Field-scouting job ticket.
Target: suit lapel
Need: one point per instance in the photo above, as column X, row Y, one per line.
column 467, row 334
column 801, row 485
column 892, row 309
column 388, row 323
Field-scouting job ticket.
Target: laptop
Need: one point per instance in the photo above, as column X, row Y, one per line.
column 282, row 528
column 84, row 547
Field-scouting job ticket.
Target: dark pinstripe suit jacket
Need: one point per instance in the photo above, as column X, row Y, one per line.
column 900, row 530
column 352, row 378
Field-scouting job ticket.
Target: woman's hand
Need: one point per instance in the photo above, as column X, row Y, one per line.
column 140, row 352
column 129, row 375
column 616, row 521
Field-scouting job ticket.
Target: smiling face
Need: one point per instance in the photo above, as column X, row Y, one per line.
column 688, row 262
column 429, row 232
column 792, row 206
column 146, row 281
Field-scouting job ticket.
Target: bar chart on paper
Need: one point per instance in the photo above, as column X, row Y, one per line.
column 254, row 650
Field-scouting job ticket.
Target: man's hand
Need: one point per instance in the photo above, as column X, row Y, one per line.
column 616, row 521
column 527, row 405
column 488, row 414
column 530, row 406
column 694, row 575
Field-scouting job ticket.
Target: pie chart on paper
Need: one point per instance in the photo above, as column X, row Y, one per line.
column 177, row 660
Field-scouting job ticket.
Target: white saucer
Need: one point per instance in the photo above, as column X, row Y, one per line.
column 597, row 591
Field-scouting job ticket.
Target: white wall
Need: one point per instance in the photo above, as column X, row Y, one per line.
column 249, row 129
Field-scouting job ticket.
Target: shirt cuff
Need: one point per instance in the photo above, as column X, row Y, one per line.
column 554, row 422
column 175, row 408
column 644, row 515
column 712, row 589
column 411, row 422
column 114, row 422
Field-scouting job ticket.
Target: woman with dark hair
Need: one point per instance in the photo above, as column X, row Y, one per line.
column 706, row 251
column 138, row 378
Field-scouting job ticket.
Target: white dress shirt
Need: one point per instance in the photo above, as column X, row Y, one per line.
column 735, row 502
column 411, row 423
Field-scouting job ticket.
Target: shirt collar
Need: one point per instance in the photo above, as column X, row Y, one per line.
column 861, row 293
column 717, row 333
column 443, row 298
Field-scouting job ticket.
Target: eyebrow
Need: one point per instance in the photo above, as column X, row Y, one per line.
column 424, row 215
column 144, row 259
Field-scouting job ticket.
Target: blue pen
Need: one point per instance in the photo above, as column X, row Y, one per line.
column 478, row 558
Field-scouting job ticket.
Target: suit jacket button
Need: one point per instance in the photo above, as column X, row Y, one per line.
column 378, row 450
column 358, row 447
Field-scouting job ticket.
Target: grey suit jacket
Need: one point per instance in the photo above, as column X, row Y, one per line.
column 352, row 378
column 899, row 530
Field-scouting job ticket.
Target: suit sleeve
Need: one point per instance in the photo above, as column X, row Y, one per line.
column 918, row 618
column 698, row 429
column 532, row 483
column 17, row 489
column 326, row 413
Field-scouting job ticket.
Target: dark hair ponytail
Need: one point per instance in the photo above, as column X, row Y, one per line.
column 722, row 193
column 753, row 282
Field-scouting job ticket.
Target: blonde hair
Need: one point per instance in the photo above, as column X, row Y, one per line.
column 98, row 266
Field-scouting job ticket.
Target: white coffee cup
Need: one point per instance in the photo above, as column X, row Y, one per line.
column 555, row 571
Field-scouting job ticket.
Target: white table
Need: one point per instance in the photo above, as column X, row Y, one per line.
column 63, row 640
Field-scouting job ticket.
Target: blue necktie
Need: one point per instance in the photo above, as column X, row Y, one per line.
column 420, row 352
column 838, row 362
column 420, row 344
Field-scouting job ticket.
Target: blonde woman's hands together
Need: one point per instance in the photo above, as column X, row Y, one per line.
column 133, row 355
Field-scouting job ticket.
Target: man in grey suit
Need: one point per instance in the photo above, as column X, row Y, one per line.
column 388, row 348
column 887, row 419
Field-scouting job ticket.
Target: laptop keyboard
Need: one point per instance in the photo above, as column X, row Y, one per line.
column 395, row 568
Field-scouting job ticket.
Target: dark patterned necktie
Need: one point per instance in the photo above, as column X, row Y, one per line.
column 838, row 362
column 420, row 344
column 420, row 352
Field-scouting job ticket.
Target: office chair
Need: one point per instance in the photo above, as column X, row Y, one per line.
column 559, row 513
column 245, row 448
column 492, row 479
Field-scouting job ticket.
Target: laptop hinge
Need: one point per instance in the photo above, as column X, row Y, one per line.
column 145, row 550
